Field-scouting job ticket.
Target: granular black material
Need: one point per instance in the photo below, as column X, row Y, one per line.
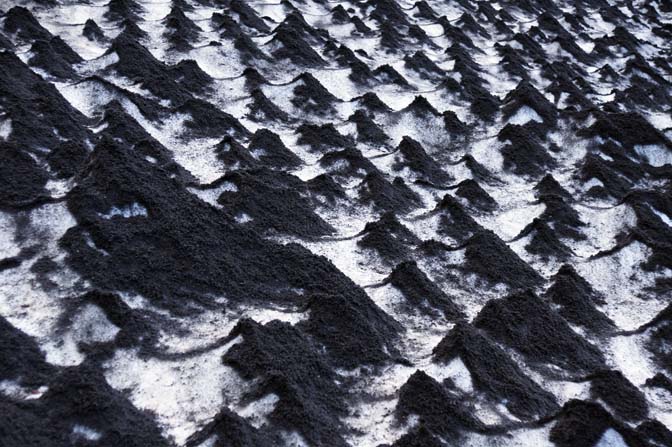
column 347, row 163
column 661, row 337
column 124, row 128
column 275, row 201
column 491, row 259
column 595, row 167
column 655, row 432
column 340, row 15
column 116, row 258
column 525, row 153
column 180, row 241
column 354, row 330
column 55, row 57
column 526, row 95
column 136, row 329
column 372, row 103
column 23, row 180
column 453, row 124
column 425, row 11
column 77, row 396
column 412, row 155
column 512, row 62
column 36, row 108
column 549, row 186
column 231, row 430
column 476, row 196
column 421, row 108
column 248, row 49
column 123, row 10
column 291, row 45
column 234, row 155
column 137, row 63
column 660, row 380
column 480, row 172
column 263, row 109
column 440, row 411
column 420, row 436
column 628, row 128
column 389, row 238
column 189, row 75
column 295, row 21
column 322, row 138
column 396, row 197
column 367, row 130
column 324, row 187
column 206, row 120
column 525, row 323
column 21, row 359
column 543, row 241
column 360, row 26
column 360, row 73
column 577, row 301
column 582, row 424
column 11, row 262
column 455, row 221
column 181, row 31
column 288, row 363
column 271, row 151
column 22, row 22
column 619, row 394
column 388, row 11
column 390, row 38
column 311, row 96
column 421, row 292
column 131, row 29
column 424, row 66
column 388, row 75
column 467, row 23
column 494, row 373
column 248, row 16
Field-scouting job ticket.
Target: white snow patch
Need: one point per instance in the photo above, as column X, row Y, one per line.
column 611, row 438
column 664, row 217
column 84, row 432
column 257, row 412
column 133, row 210
column 184, row 394
column 630, row 356
column 12, row 389
column 524, row 115
column 5, row 128
column 655, row 154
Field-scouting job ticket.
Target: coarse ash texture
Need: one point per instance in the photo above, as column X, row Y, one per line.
column 230, row 223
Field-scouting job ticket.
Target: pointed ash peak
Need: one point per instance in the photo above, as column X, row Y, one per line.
column 476, row 196
column 291, row 45
column 396, row 197
column 262, row 109
column 421, row 292
column 93, row 32
column 121, row 10
column 550, row 186
column 543, row 241
column 494, row 372
column 248, row 16
column 413, row 156
column 355, row 332
column 525, row 323
column 491, row 259
column 389, row 238
column 22, row 22
column 526, row 95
